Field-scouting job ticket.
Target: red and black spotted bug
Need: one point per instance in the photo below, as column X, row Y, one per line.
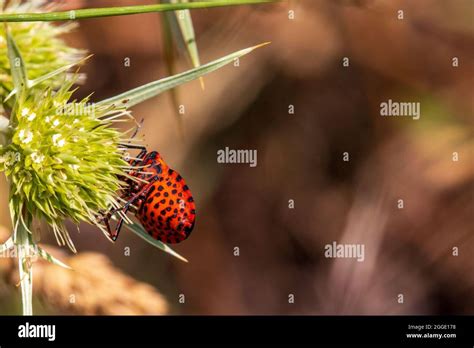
column 159, row 197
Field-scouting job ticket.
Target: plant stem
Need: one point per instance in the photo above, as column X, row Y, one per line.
column 25, row 268
column 4, row 124
column 120, row 11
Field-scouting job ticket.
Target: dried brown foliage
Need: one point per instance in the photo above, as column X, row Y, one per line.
column 93, row 286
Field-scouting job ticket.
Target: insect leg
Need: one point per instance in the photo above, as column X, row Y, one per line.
column 140, row 156
column 155, row 164
column 142, row 194
column 139, row 125
column 130, row 146
column 106, row 220
column 118, row 228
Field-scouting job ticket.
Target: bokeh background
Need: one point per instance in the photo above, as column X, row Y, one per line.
column 408, row 251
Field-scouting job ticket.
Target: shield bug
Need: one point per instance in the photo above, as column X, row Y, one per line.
column 159, row 198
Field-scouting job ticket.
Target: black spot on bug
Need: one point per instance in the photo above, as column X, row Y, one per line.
column 152, row 214
column 163, row 201
column 171, row 171
column 190, row 199
column 156, row 206
column 160, row 188
column 157, row 195
column 193, row 211
column 185, row 187
column 163, row 212
column 180, row 194
column 166, row 194
column 149, row 200
column 179, row 178
column 168, row 183
column 174, row 192
column 175, row 210
column 168, row 209
column 151, row 190
column 171, row 202
column 174, row 185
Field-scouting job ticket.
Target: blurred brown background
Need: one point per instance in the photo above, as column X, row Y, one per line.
column 408, row 251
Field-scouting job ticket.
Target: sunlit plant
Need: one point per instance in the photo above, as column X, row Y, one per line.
column 40, row 44
column 64, row 158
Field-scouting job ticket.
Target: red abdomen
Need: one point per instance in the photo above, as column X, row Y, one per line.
column 168, row 212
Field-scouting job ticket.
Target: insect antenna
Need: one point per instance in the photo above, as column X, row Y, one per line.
column 139, row 125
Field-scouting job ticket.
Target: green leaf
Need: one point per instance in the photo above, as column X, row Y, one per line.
column 170, row 57
column 184, row 22
column 17, row 65
column 120, row 11
column 50, row 258
column 140, row 231
column 152, row 89
column 168, row 44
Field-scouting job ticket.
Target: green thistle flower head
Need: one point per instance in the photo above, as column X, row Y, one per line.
column 42, row 49
column 64, row 160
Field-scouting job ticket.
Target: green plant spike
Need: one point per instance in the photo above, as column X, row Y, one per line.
column 7, row 245
column 152, row 89
column 50, row 258
column 17, row 64
column 140, row 231
column 41, row 79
